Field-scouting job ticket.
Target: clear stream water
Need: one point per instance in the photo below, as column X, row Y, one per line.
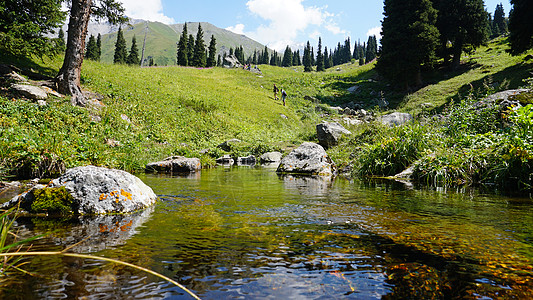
column 247, row 233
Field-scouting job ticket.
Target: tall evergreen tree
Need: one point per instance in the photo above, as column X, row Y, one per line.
column 99, row 47
column 461, row 23
column 219, row 61
column 355, row 54
column 521, row 38
column 190, row 49
column 409, row 40
column 287, row 57
column 295, row 58
column 91, row 52
column 499, row 23
column 199, row 59
column 211, row 59
column 327, row 64
column 313, row 60
column 319, row 57
column 182, row 57
column 61, row 40
column 308, row 63
column 371, row 49
column 121, row 53
column 347, row 51
column 133, row 57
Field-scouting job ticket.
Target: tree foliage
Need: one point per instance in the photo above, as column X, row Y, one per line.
column 183, row 48
column 211, row 59
column 409, row 40
column 499, row 23
column 307, row 62
column 199, row 59
column 520, row 18
column 133, row 57
column 25, row 24
column 92, row 49
column 319, row 57
column 287, row 57
column 121, row 52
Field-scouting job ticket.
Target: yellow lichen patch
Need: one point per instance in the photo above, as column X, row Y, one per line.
column 125, row 194
column 102, row 197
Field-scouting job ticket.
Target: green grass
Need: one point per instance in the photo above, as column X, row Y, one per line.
column 181, row 111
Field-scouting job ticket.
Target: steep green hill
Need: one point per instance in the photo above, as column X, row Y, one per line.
column 161, row 40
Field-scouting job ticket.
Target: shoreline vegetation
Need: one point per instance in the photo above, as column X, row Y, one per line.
column 141, row 115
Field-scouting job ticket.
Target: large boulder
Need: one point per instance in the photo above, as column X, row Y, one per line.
column 231, row 61
column 246, row 161
column 329, row 133
column 308, row 159
column 30, row 91
column 271, row 157
column 396, row 119
column 175, row 164
column 89, row 190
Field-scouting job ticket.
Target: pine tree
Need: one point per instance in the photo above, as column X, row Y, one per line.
column 91, row 52
column 356, row 51
column 299, row 58
column 461, row 23
column 99, row 47
column 61, row 40
column 327, row 61
column 182, row 57
column 121, row 53
column 319, row 57
column 347, row 51
column 313, row 60
column 219, row 61
column 287, row 57
column 211, row 59
column 521, row 38
column 199, row 58
column 372, row 49
column 190, row 49
column 409, row 40
column 133, row 57
column 295, row 58
column 499, row 22
column 308, row 64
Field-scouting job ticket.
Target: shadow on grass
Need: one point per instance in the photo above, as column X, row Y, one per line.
column 28, row 67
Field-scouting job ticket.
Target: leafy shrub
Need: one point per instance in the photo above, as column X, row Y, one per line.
column 395, row 152
column 470, row 117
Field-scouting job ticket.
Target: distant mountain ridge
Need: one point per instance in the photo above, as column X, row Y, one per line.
column 161, row 39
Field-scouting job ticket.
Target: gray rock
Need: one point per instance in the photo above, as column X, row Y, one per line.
column 396, row 119
column 41, row 103
column 283, row 116
column 175, row 164
column 30, row 91
column 228, row 145
column 504, row 95
column 308, row 159
column 353, row 89
column 351, row 121
column 231, row 61
column 225, row 160
column 246, row 161
column 330, row 133
column 97, row 190
column 271, row 157
column 50, row 91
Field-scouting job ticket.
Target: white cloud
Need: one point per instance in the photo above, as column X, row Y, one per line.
column 287, row 19
column 238, row 29
column 375, row 31
column 335, row 29
column 151, row 10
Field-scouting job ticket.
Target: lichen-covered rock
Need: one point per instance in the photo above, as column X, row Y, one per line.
column 175, row 164
column 225, row 160
column 308, row 159
column 30, row 91
column 329, row 133
column 94, row 190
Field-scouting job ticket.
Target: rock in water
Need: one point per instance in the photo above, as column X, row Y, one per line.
column 329, row 133
column 308, row 159
column 175, row 164
column 97, row 190
column 271, row 157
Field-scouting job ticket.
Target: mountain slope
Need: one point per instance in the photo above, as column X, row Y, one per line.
column 161, row 40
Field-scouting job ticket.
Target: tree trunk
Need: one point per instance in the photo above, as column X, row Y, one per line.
column 68, row 79
column 457, row 51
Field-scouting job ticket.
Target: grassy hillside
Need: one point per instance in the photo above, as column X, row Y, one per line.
column 161, row 40
column 181, row 111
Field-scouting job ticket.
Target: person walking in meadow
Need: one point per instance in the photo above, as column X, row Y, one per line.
column 276, row 90
column 283, row 96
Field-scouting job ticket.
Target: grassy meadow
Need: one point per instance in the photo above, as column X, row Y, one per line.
column 152, row 113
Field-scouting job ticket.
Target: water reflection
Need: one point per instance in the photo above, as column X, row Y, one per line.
column 308, row 185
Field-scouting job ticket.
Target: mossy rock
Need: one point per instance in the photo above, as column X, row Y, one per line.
column 52, row 201
column 523, row 98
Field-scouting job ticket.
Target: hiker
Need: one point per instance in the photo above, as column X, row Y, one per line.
column 283, row 96
column 275, row 92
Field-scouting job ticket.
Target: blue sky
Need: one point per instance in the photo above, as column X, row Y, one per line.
column 277, row 23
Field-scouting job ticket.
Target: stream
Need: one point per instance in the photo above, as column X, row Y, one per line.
column 247, row 233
